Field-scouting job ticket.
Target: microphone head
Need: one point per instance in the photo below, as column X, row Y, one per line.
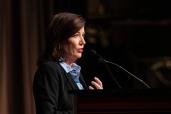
column 96, row 55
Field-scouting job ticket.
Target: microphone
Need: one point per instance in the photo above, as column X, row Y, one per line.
column 100, row 58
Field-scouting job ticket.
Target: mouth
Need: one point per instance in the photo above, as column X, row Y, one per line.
column 80, row 50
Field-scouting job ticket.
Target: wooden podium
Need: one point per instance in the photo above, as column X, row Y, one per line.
column 150, row 101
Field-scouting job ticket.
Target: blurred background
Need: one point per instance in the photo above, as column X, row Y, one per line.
column 132, row 33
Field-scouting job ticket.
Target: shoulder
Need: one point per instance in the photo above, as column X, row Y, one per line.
column 50, row 65
column 49, row 68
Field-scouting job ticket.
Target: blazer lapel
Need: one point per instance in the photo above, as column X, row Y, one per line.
column 73, row 84
column 71, row 81
column 83, row 82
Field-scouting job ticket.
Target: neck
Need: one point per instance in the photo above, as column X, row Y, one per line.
column 69, row 61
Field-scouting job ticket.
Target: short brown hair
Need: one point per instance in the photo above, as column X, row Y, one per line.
column 62, row 26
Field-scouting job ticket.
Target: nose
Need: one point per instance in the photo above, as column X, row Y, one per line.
column 82, row 41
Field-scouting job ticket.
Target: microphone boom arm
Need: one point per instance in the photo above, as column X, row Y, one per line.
column 128, row 73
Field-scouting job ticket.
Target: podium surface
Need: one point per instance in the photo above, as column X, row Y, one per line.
column 149, row 101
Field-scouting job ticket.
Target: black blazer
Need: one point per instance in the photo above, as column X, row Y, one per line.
column 51, row 88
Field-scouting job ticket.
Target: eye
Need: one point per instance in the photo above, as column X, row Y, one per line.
column 75, row 35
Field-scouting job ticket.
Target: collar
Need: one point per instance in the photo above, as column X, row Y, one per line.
column 69, row 68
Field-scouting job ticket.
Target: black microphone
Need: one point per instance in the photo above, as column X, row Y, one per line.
column 97, row 56
column 100, row 58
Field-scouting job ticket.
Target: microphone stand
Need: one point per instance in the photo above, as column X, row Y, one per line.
column 140, row 80
column 111, row 75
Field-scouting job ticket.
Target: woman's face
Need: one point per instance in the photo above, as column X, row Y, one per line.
column 74, row 46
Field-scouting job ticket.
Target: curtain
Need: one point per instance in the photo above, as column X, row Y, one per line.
column 22, row 33
column 5, row 57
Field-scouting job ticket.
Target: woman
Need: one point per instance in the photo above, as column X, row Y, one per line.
column 58, row 72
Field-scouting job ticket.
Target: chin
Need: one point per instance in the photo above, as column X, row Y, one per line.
column 79, row 56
